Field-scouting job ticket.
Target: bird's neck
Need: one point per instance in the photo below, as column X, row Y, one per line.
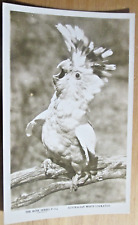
column 79, row 99
column 73, row 101
column 69, row 109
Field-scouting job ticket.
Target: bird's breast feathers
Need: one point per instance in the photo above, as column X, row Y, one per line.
column 62, row 131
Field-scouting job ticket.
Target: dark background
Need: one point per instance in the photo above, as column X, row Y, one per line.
column 36, row 49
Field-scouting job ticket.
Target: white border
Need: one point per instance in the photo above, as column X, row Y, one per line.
column 60, row 211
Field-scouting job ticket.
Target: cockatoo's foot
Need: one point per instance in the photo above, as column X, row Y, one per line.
column 74, row 185
column 79, row 179
column 29, row 128
column 85, row 178
column 47, row 166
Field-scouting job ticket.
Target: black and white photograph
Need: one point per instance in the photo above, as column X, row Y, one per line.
column 68, row 108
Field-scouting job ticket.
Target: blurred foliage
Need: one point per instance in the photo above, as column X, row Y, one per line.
column 36, row 49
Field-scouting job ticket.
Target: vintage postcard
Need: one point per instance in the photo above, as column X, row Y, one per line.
column 67, row 112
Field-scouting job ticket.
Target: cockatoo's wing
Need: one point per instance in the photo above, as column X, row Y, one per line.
column 87, row 139
column 40, row 117
column 30, row 125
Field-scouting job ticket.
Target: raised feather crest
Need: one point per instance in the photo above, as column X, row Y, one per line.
column 83, row 53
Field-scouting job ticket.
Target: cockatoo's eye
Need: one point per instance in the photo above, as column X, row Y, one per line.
column 62, row 74
column 77, row 75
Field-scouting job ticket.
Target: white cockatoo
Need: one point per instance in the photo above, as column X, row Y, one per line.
column 67, row 135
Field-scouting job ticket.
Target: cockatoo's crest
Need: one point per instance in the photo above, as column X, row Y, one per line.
column 83, row 53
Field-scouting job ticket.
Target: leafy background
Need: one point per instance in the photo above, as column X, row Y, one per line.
column 36, row 49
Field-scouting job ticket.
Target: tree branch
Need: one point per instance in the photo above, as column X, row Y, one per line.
column 35, row 174
column 107, row 169
column 28, row 199
column 38, row 173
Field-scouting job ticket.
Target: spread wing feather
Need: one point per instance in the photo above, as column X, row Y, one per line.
column 87, row 139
